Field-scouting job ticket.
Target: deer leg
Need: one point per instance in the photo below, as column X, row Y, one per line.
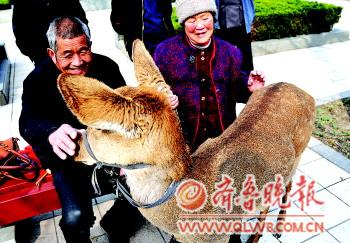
column 173, row 240
column 284, row 200
column 282, row 212
column 255, row 237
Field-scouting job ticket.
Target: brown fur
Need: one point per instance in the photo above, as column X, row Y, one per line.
column 130, row 125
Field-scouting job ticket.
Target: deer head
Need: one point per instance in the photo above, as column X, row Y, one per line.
column 130, row 124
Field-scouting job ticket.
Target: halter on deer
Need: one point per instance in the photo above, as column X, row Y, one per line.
column 133, row 125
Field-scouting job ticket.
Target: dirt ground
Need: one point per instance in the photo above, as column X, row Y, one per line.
column 332, row 125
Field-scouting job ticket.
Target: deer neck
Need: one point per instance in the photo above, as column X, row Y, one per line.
column 149, row 184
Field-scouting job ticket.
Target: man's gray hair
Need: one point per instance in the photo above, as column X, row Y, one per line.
column 66, row 28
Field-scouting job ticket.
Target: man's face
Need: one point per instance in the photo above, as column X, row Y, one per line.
column 73, row 56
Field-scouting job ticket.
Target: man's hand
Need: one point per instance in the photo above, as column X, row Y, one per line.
column 256, row 80
column 62, row 141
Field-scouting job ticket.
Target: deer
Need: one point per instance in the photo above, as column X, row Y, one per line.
column 135, row 128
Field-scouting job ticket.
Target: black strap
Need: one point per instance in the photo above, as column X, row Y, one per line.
column 99, row 164
column 138, row 165
column 165, row 197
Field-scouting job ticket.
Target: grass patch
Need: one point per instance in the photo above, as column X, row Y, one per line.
column 332, row 125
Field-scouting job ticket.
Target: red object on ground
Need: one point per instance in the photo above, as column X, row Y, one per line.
column 21, row 200
column 28, row 150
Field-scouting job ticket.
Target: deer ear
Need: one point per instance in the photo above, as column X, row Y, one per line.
column 87, row 98
column 146, row 71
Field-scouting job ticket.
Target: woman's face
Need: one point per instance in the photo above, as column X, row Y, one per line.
column 199, row 28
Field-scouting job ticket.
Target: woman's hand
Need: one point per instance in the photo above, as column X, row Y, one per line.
column 174, row 101
column 256, row 80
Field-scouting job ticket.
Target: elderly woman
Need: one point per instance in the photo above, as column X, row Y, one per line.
column 204, row 72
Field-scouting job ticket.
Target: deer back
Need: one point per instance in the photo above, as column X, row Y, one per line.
column 267, row 139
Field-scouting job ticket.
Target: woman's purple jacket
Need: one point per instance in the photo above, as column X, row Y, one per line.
column 176, row 61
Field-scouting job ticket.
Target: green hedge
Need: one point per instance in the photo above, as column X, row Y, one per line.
column 285, row 18
column 275, row 19
column 4, row 2
column 175, row 21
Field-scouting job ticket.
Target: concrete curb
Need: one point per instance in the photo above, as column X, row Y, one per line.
column 331, row 155
column 325, row 100
column 266, row 47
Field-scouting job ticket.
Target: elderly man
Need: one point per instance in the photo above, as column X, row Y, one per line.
column 48, row 125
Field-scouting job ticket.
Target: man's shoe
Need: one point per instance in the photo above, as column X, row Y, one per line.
column 122, row 221
column 235, row 238
column 112, row 232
